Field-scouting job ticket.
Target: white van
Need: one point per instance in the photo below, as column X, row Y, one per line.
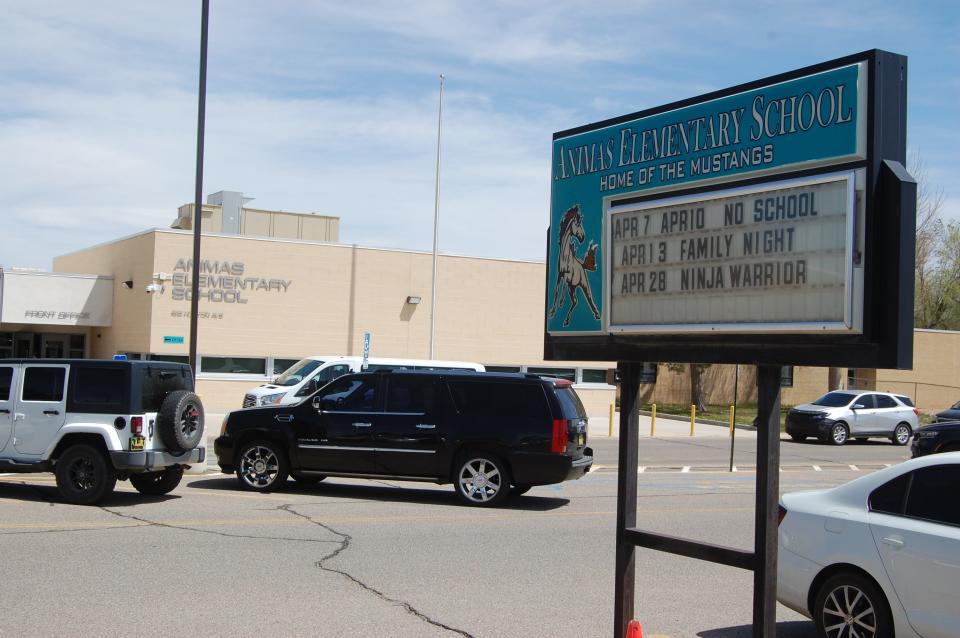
column 305, row 376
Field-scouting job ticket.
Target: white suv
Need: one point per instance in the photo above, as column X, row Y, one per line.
column 838, row 416
column 95, row 422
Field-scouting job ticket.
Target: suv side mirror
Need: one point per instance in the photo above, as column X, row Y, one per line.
column 858, row 406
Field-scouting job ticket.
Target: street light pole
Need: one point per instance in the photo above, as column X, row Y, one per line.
column 436, row 223
column 198, row 194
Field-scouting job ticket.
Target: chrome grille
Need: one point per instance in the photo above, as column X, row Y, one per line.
column 249, row 401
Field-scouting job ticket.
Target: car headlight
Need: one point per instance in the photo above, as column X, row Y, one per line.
column 271, row 399
column 920, row 434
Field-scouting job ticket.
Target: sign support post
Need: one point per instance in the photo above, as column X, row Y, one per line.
column 626, row 496
column 767, row 500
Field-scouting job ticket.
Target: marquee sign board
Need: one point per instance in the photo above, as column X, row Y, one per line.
column 749, row 217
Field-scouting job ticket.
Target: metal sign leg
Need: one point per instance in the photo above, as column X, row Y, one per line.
column 767, row 500
column 626, row 496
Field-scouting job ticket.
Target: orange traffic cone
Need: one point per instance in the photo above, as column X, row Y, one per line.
column 634, row 630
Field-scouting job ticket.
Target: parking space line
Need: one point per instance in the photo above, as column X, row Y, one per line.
column 854, row 468
column 816, row 468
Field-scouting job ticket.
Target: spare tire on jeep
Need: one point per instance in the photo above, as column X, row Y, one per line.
column 180, row 421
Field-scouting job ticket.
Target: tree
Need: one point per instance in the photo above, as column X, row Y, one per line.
column 936, row 299
column 697, row 391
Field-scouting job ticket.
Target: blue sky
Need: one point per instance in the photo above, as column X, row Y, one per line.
column 331, row 107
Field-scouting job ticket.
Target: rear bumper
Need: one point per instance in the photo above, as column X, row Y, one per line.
column 150, row 460
column 548, row 468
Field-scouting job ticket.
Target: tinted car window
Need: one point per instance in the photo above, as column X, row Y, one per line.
column 6, row 379
column 907, row 401
column 834, row 399
column 100, row 388
column 883, row 401
column 570, row 404
column 933, row 494
column 889, row 497
column 493, row 399
column 159, row 382
column 350, row 395
column 866, row 400
column 43, row 384
column 411, row 394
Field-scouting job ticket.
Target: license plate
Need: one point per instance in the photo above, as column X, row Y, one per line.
column 136, row 443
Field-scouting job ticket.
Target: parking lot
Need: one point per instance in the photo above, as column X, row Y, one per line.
column 361, row 558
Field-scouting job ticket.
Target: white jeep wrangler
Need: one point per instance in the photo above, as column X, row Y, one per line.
column 94, row 422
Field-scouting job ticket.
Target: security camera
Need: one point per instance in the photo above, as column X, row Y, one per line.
column 154, row 288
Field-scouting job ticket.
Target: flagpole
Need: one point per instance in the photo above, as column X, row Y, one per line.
column 436, row 223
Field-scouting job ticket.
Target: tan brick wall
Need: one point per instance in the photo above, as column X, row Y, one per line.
column 934, row 381
column 489, row 311
column 126, row 260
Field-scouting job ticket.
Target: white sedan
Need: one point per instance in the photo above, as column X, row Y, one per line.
column 879, row 556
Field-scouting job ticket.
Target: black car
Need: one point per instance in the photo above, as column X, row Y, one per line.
column 936, row 437
column 950, row 414
column 489, row 434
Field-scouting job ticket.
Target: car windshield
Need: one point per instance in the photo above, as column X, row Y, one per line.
column 956, row 406
column 834, row 399
column 297, row 372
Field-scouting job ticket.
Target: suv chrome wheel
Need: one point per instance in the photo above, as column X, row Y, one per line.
column 482, row 480
column 261, row 467
column 838, row 434
column 901, row 435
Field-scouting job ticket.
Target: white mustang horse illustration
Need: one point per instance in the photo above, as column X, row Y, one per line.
column 571, row 270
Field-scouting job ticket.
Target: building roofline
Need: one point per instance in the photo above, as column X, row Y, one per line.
column 173, row 231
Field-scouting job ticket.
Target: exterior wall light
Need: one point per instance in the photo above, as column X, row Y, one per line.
column 128, row 284
column 413, row 299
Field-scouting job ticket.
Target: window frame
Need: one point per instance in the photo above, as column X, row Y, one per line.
column 63, row 389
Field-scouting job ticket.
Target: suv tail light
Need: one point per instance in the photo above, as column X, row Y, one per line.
column 781, row 512
column 916, row 411
column 136, row 425
column 561, row 436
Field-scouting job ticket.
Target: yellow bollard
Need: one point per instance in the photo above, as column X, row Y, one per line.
column 653, row 419
column 610, row 433
column 731, row 420
column 693, row 418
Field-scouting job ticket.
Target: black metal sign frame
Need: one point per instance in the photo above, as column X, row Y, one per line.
column 888, row 271
column 886, row 340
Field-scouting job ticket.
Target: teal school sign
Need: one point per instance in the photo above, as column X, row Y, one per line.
column 808, row 122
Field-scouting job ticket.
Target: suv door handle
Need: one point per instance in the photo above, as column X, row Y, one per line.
column 4, row 411
column 426, row 426
column 51, row 412
column 362, row 425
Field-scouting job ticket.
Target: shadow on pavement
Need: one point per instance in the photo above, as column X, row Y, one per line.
column 47, row 493
column 380, row 491
column 789, row 629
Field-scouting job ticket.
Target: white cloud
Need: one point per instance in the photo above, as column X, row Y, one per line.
column 331, row 107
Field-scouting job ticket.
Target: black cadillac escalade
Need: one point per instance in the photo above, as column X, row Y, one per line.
column 489, row 434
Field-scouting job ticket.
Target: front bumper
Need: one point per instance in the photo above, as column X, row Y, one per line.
column 819, row 428
column 153, row 460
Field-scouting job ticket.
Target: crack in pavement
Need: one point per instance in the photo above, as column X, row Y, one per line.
column 149, row 523
column 345, row 541
column 343, row 544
